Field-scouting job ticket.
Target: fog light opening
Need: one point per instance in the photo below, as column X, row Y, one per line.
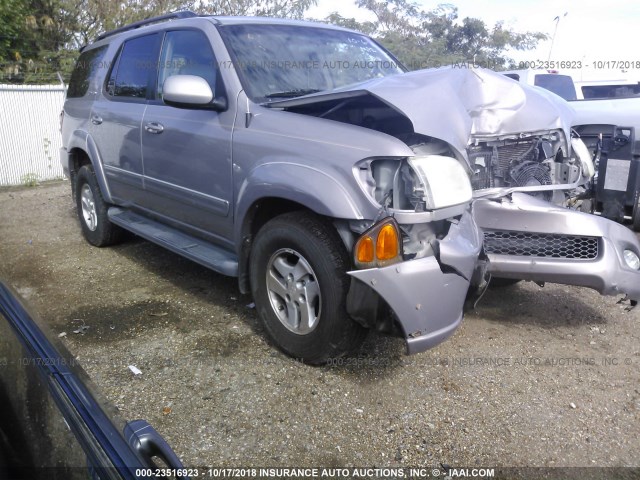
column 632, row 259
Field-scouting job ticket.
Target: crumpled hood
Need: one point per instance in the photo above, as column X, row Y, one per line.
column 454, row 103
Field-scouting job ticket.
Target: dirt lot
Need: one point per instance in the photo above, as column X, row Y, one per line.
column 535, row 377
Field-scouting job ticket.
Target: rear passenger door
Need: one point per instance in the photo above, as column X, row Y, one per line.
column 117, row 116
column 187, row 152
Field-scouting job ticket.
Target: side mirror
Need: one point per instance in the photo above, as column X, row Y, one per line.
column 191, row 91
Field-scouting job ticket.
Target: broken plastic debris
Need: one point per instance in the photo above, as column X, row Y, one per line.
column 135, row 370
column 82, row 330
column 62, row 334
column 251, row 305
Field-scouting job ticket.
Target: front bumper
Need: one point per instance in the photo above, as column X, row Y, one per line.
column 602, row 269
column 427, row 295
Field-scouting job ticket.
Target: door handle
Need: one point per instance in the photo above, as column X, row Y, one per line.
column 96, row 120
column 145, row 440
column 154, row 127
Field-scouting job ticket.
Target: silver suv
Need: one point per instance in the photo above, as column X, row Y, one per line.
column 304, row 160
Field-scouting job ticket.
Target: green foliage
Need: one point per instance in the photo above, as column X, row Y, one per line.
column 30, row 180
column 39, row 38
column 33, row 33
column 12, row 21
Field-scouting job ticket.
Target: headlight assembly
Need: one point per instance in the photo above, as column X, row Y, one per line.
column 443, row 180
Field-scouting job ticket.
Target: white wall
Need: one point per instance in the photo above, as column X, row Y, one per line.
column 29, row 133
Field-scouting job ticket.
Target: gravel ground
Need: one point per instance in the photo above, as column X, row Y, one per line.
column 535, row 376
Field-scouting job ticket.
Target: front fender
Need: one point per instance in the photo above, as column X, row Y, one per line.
column 82, row 140
column 303, row 184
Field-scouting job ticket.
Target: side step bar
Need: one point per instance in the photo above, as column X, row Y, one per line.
column 196, row 249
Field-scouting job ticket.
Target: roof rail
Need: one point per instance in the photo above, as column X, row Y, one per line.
column 148, row 21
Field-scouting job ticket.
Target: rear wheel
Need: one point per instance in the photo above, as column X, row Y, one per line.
column 92, row 210
column 299, row 283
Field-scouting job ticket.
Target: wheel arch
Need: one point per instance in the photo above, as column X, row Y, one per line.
column 82, row 150
column 274, row 188
column 254, row 218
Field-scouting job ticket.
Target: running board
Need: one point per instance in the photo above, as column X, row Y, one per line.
column 193, row 248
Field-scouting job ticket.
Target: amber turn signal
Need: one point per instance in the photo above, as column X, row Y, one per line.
column 364, row 250
column 379, row 246
column 388, row 242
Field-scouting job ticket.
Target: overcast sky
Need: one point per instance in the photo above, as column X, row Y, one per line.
column 592, row 30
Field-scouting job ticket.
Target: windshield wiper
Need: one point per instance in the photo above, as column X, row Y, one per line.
column 293, row 93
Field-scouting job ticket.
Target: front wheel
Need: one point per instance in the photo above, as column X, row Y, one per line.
column 299, row 283
column 92, row 210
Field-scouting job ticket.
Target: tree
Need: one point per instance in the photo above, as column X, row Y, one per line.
column 423, row 39
column 39, row 38
column 13, row 15
column 31, row 35
column 94, row 17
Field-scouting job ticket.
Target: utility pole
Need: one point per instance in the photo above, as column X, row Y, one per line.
column 553, row 39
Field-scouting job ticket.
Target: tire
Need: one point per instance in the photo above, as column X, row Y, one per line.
column 299, row 282
column 636, row 215
column 92, row 211
column 499, row 282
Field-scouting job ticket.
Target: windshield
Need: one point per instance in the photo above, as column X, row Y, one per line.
column 561, row 85
column 284, row 61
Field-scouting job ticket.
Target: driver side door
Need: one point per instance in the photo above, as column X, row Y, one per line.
column 186, row 152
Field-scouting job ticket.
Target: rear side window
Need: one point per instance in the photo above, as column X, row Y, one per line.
column 610, row 91
column 87, row 66
column 135, row 68
column 561, row 85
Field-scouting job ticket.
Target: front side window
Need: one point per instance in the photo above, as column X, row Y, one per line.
column 281, row 61
column 132, row 73
column 187, row 52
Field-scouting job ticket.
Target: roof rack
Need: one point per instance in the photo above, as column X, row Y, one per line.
column 148, row 21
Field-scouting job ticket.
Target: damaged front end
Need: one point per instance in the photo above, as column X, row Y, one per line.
column 543, row 164
column 426, row 295
column 419, row 260
column 480, row 144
